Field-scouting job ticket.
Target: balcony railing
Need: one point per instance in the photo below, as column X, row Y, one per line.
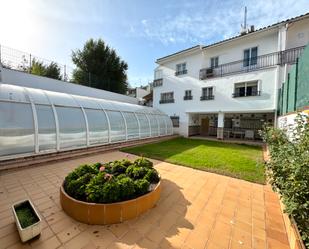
column 207, row 97
column 165, row 101
column 181, row 72
column 260, row 62
column 187, row 97
column 254, row 93
column 157, row 82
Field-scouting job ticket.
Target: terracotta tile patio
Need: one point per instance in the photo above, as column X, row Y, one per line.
column 196, row 210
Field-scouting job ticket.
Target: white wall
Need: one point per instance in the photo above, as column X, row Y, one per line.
column 223, row 90
column 267, row 42
column 298, row 34
column 29, row 80
column 140, row 92
column 234, row 50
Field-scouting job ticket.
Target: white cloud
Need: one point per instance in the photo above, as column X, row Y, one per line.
column 205, row 23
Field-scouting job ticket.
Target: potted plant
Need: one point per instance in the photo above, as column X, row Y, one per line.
column 27, row 220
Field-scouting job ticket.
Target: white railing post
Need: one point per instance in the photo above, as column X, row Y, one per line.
column 139, row 126
column 149, row 124
column 125, row 124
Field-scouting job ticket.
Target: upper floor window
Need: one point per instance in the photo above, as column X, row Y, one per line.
column 250, row 56
column 181, row 69
column 167, row 97
column 188, row 95
column 214, row 62
column 158, row 78
column 158, row 74
column 246, row 89
column 207, row 93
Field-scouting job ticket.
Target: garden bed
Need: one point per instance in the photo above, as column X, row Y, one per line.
column 110, row 193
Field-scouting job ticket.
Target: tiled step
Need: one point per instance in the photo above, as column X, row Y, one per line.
column 40, row 159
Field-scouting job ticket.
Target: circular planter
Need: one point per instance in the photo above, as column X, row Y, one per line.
column 104, row 214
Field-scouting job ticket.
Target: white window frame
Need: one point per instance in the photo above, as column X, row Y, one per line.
column 258, row 86
column 214, row 62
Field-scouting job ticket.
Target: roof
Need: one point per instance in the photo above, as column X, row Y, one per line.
column 197, row 47
column 293, row 19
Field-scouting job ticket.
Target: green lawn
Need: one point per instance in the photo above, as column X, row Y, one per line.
column 240, row 161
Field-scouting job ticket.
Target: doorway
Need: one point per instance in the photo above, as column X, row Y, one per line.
column 205, row 127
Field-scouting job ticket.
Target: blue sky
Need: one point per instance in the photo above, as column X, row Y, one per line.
column 140, row 30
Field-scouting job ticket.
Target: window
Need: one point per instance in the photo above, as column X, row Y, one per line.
column 207, row 93
column 214, row 62
column 158, row 78
column 175, row 121
column 188, row 95
column 250, row 56
column 158, row 74
column 167, row 98
column 246, row 89
column 181, row 69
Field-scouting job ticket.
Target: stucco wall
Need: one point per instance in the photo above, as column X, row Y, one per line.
column 298, row 34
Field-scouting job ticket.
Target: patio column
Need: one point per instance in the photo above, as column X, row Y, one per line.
column 220, row 125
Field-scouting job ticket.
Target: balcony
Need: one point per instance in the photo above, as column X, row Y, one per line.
column 165, row 101
column 260, row 62
column 157, row 82
column 188, row 97
column 177, row 73
column 239, row 95
column 208, row 97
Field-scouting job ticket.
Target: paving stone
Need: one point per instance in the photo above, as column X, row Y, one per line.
column 197, row 209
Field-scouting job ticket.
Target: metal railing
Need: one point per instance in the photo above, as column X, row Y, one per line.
column 157, row 82
column 238, row 94
column 14, row 59
column 181, row 72
column 260, row 62
column 165, row 101
column 187, row 97
column 207, row 97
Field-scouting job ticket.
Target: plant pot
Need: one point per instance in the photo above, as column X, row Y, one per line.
column 30, row 226
column 111, row 213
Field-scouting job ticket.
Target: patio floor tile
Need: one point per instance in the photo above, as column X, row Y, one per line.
column 196, row 210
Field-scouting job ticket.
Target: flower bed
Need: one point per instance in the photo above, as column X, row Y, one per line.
column 112, row 192
column 288, row 171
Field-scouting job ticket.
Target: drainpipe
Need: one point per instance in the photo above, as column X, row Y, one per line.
column 296, row 85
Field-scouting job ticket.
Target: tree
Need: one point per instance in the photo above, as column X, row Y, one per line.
column 51, row 71
column 98, row 65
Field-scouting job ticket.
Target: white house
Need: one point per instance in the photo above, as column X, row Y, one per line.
column 229, row 88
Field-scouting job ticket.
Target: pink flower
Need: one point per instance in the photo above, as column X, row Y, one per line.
column 102, row 168
column 108, row 177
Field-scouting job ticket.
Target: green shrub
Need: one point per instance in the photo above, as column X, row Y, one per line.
column 97, row 166
column 94, row 187
column 141, row 186
column 126, row 162
column 288, row 170
column 85, row 168
column 136, row 172
column 76, row 188
column 117, row 167
column 152, row 176
column 127, row 188
column 143, row 162
column 112, row 182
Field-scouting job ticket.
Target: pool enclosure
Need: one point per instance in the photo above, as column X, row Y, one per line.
column 36, row 121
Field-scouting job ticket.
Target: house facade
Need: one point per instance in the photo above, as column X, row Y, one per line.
column 229, row 88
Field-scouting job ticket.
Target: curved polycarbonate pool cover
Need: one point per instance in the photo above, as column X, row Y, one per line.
column 34, row 121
